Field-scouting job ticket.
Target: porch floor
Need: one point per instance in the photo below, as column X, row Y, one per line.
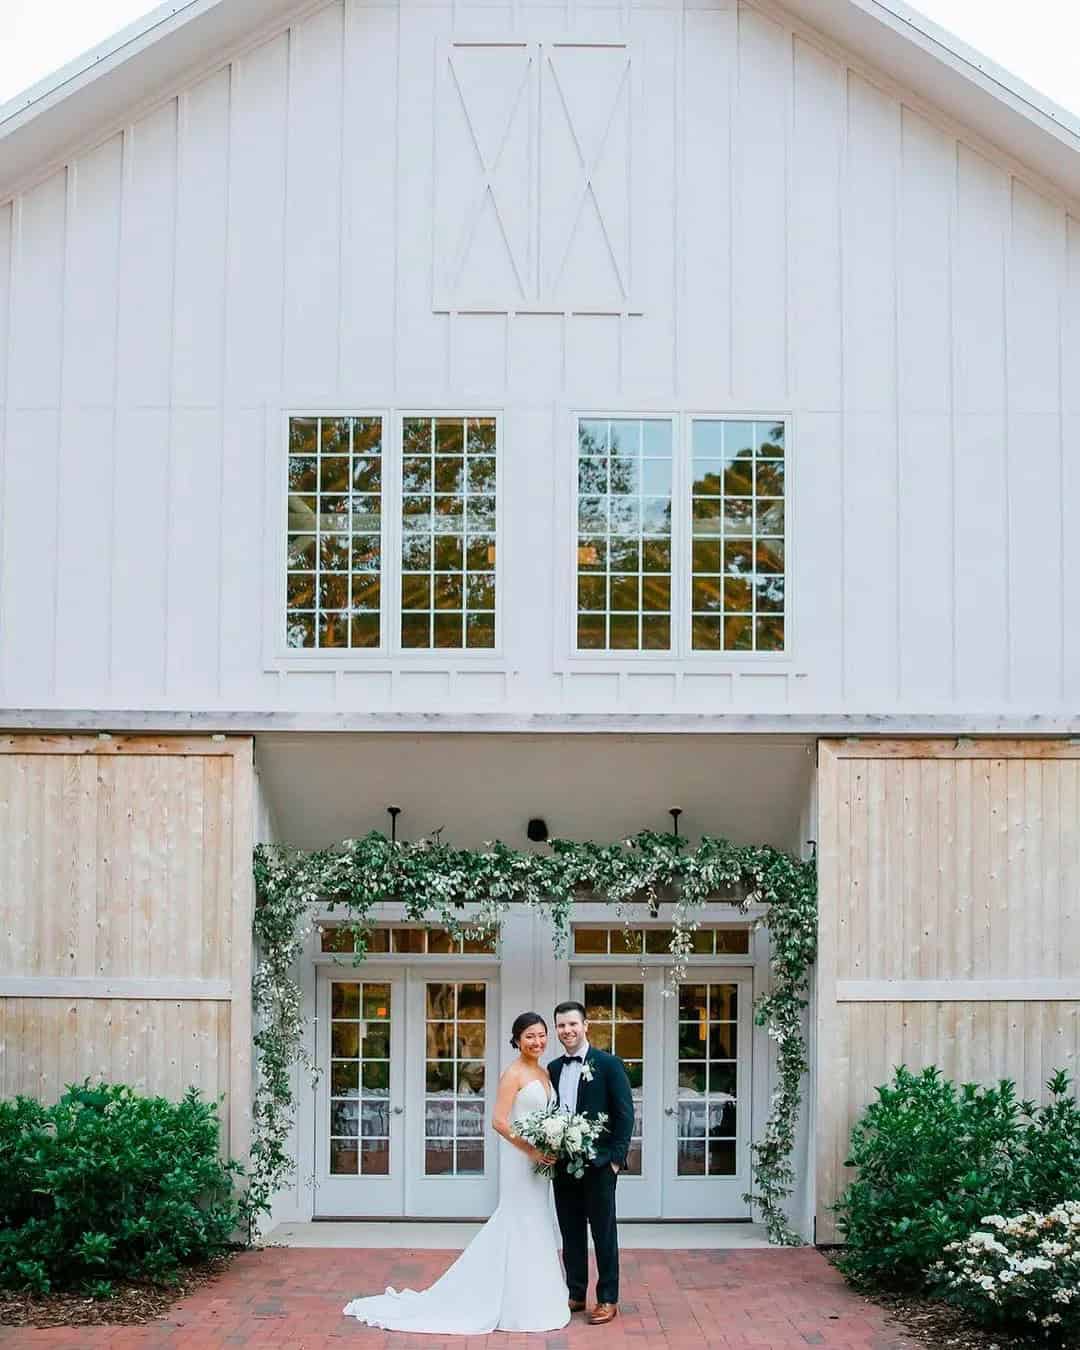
column 454, row 1236
column 291, row 1298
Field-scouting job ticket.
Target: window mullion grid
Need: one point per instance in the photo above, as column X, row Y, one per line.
column 640, row 508
column 351, row 553
column 432, row 447
column 607, row 536
column 724, row 461
column 391, row 490
column 317, row 598
column 755, row 446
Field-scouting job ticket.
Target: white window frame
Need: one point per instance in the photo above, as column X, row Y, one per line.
column 389, row 654
column 682, row 656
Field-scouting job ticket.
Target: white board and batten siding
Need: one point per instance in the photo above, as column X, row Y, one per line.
column 126, row 899
column 949, row 928
column 771, row 228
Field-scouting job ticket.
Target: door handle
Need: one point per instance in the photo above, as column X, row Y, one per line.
column 399, row 1110
column 669, row 1110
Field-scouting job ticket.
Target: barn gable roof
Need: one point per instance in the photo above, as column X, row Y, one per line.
column 181, row 39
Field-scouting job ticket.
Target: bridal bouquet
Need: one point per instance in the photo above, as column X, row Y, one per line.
column 570, row 1139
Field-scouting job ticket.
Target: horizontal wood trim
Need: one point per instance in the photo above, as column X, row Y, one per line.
column 957, row 991
column 247, row 722
column 134, row 987
column 104, row 744
column 959, row 747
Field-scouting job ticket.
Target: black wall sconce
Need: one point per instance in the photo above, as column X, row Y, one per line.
column 537, row 829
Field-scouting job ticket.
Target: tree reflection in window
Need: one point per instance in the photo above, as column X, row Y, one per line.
column 624, row 534
column 737, row 521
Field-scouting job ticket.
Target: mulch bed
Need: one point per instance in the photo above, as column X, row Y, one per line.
column 132, row 1304
column 941, row 1326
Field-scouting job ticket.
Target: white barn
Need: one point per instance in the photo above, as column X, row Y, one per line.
column 512, row 410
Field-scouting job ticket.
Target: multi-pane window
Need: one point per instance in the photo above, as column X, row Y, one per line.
column 448, row 532
column 454, row 1096
column 359, row 1079
column 439, row 591
column 657, row 941
column 414, row 941
column 624, row 535
column 737, row 510
column 334, row 532
column 680, row 557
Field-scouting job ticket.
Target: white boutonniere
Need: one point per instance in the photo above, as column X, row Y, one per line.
column 586, row 1072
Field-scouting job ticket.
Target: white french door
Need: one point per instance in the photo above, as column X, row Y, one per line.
column 688, row 1057
column 403, row 1104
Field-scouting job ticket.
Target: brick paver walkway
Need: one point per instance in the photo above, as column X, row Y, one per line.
column 672, row 1300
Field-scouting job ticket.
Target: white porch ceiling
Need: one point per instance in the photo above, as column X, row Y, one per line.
column 323, row 788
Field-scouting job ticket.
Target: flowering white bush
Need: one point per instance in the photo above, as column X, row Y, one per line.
column 1023, row 1270
column 571, row 1139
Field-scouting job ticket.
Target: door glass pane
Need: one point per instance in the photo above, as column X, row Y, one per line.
column 616, row 1017
column 455, row 1088
column 359, row 1106
column 707, row 1078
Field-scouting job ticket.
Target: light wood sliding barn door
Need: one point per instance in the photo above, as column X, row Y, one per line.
column 950, row 922
column 125, row 905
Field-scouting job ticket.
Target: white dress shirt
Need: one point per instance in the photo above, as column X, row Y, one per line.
column 569, row 1080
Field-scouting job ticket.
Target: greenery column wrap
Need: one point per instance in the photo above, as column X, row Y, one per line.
column 469, row 891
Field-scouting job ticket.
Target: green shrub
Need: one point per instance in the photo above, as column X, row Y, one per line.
column 933, row 1158
column 1018, row 1273
column 110, row 1185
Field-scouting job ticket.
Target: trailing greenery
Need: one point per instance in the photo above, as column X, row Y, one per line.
column 468, row 891
column 107, row 1185
column 934, row 1158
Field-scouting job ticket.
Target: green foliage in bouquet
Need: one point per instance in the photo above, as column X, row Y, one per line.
column 108, row 1185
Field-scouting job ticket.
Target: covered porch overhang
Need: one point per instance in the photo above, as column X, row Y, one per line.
column 322, row 787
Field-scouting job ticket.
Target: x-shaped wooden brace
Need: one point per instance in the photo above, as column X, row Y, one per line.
column 588, row 169
column 487, row 186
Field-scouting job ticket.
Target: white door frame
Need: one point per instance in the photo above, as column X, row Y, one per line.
column 378, row 1196
column 406, row 1191
column 660, row 1193
column 433, row 1197
column 692, row 1196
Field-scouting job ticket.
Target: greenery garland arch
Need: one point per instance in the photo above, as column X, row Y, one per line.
column 468, row 891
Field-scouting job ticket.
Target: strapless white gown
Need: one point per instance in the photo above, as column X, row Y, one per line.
column 508, row 1278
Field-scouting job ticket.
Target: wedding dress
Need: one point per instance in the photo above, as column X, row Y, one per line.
column 508, row 1278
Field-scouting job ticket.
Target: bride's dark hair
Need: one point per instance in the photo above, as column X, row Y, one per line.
column 522, row 1022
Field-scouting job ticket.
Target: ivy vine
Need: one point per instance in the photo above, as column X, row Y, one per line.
column 468, row 892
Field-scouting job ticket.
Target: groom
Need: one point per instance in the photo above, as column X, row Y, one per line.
column 592, row 1082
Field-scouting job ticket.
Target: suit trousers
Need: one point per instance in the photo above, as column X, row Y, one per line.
column 589, row 1204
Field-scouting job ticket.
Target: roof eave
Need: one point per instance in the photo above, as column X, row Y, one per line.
column 97, row 93
column 999, row 108
column 100, row 90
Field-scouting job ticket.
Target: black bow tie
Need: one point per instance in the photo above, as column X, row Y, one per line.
column 573, row 1059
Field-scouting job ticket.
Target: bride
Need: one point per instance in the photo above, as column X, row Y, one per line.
column 508, row 1278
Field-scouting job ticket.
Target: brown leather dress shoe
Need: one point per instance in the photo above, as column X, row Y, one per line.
column 603, row 1312
column 577, row 1305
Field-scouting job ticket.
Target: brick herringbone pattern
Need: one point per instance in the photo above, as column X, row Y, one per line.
column 672, row 1300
